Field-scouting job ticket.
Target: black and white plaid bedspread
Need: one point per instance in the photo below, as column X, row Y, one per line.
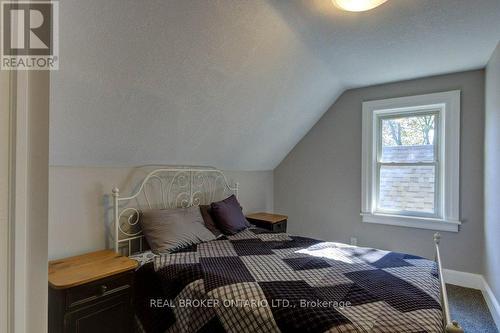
column 256, row 281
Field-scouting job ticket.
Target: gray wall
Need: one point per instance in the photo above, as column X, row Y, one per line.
column 492, row 175
column 319, row 183
column 78, row 197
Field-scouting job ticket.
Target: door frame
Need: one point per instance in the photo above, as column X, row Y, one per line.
column 7, row 93
column 23, row 282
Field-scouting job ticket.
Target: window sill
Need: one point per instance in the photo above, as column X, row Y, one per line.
column 412, row 222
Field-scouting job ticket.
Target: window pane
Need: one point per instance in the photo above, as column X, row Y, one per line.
column 408, row 139
column 407, row 188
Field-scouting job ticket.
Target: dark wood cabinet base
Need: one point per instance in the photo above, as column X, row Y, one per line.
column 276, row 227
column 102, row 306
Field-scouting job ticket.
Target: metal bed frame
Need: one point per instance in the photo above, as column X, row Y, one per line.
column 167, row 187
column 450, row 326
column 188, row 186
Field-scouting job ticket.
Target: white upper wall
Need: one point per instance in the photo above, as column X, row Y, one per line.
column 80, row 203
column 236, row 84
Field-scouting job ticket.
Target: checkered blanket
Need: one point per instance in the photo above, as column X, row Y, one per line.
column 257, row 281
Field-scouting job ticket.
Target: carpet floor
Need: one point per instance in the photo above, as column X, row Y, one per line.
column 469, row 308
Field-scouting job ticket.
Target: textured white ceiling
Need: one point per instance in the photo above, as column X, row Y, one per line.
column 237, row 83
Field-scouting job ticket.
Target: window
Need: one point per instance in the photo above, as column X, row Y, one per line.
column 411, row 161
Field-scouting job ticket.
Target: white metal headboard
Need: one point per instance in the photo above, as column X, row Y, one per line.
column 168, row 187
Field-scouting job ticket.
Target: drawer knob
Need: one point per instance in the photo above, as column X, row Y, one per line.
column 103, row 289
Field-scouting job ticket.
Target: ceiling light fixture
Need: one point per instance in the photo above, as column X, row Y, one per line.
column 357, row 5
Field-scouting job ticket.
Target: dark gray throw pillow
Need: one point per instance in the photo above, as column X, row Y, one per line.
column 171, row 229
column 206, row 213
column 228, row 216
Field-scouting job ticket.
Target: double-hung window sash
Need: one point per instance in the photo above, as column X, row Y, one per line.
column 408, row 165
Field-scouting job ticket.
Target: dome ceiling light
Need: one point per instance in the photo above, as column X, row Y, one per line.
column 357, row 5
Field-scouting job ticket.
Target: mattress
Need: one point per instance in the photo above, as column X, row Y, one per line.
column 259, row 281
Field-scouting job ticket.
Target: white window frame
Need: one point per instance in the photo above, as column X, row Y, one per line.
column 447, row 183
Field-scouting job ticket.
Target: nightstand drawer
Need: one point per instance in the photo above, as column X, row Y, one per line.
column 276, row 227
column 279, row 227
column 98, row 290
column 111, row 314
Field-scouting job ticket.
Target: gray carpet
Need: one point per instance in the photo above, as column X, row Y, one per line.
column 469, row 308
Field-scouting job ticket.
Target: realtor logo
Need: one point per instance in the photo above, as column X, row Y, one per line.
column 29, row 35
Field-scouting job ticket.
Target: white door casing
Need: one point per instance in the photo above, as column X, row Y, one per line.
column 24, row 135
column 5, row 230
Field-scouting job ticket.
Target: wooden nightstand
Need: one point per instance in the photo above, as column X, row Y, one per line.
column 91, row 293
column 273, row 222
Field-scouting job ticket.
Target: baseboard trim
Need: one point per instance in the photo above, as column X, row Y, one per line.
column 463, row 279
column 475, row 281
column 492, row 302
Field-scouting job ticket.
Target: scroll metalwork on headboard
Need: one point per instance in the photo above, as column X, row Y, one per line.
column 160, row 189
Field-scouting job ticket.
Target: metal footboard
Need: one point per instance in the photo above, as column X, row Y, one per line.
column 450, row 326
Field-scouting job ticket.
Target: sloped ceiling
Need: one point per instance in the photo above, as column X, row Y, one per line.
column 237, row 83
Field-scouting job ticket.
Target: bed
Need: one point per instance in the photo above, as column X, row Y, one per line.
column 260, row 281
